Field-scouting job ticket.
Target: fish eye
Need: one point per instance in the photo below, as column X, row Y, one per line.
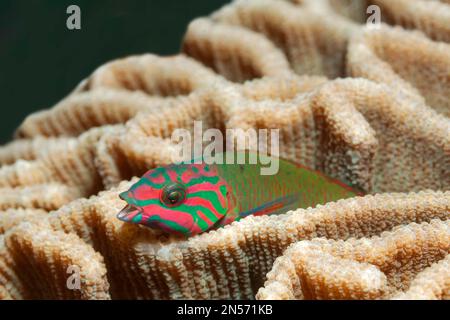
column 173, row 195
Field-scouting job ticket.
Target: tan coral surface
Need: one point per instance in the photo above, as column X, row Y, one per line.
column 365, row 104
column 364, row 268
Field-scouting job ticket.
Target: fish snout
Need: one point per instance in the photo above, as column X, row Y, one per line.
column 128, row 214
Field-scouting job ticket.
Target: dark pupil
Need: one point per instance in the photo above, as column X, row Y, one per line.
column 173, row 196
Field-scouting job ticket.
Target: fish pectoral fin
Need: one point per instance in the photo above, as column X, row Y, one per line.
column 277, row 206
column 127, row 213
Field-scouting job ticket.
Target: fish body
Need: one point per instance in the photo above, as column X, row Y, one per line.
column 191, row 198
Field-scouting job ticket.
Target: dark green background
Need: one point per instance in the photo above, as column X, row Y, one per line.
column 41, row 60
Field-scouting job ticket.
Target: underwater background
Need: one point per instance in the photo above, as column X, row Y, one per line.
column 41, row 60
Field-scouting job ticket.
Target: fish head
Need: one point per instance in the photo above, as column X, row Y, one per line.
column 185, row 199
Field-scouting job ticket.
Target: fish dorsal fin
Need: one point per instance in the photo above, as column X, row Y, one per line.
column 277, row 206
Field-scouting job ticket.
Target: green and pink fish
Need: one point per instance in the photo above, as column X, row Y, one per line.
column 192, row 198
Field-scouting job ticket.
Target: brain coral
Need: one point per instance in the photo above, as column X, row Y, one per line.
column 365, row 104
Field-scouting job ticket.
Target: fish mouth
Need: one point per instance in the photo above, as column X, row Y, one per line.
column 128, row 213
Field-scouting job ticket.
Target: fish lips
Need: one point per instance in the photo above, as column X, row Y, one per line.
column 131, row 210
column 128, row 213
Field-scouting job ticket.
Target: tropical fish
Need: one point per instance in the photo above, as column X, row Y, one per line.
column 191, row 198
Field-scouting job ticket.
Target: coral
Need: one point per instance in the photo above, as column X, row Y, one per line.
column 367, row 105
column 233, row 52
column 432, row 283
column 47, row 196
column 39, row 262
column 385, row 55
column 350, row 135
column 314, row 43
column 144, row 263
column 363, row 268
column 29, row 149
column 431, row 17
column 116, row 92
column 12, row 217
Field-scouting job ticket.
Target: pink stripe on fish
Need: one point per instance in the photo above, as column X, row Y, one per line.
column 198, row 201
column 159, row 179
column 173, row 175
column 145, row 192
column 182, row 218
column 204, row 218
column 208, row 186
